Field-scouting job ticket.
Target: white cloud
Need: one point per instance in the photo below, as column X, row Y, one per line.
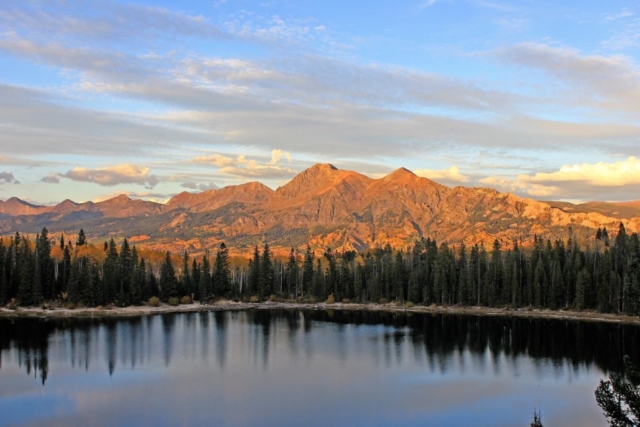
column 113, row 175
column 447, row 175
column 214, row 159
column 520, row 186
column 608, row 83
column 625, row 172
column 277, row 155
column 624, row 14
column 243, row 167
column 584, row 181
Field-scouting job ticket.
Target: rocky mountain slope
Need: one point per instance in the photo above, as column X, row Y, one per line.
column 324, row 206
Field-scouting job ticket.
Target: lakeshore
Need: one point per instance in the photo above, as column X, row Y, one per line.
column 227, row 305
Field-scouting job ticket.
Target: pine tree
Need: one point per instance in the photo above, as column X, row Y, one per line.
column 204, row 282
column 82, row 239
column 619, row 397
column 292, row 274
column 537, row 421
column 221, row 273
column 399, row 278
column 265, row 280
column 168, row 282
column 28, row 294
column 125, row 268
column 4, row 285
column 185, row 277
column 93, row 283
column 137, row 277
column 307, row 270
column 254, row 272
column 581, row 288
column 110, row 274
column 44, row 265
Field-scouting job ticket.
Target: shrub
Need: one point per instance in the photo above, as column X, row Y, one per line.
column 185, row 300
column 273, row 298
column 331, row 299
column 383, row 301
column 173, row 301
column 409, row 304
column 71, row 306
column 312, row 300
column 254, row 299
column 154, row 302
column 346, row 301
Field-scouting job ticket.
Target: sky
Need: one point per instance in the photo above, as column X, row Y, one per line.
column 152, row 98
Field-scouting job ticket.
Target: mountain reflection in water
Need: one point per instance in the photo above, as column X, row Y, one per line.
column 291, row 367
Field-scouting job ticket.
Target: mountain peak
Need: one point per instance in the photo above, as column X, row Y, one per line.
column 323, row 166
column 400, row 174
column 311, row 181
column 15, row 200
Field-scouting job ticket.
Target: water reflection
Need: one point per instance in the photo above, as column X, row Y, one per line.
column 437, row 340
column 309, row 354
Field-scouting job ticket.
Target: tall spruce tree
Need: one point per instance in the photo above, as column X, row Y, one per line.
column 168, row 282
column 266, row 273
column 221, row 272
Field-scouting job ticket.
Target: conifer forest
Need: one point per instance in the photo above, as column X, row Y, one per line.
column 556, row 275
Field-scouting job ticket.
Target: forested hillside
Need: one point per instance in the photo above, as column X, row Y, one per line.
column 604, row 276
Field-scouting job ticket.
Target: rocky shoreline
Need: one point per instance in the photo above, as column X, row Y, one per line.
column 146, row 310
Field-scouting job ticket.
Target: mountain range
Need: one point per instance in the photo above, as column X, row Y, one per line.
column 325, row 207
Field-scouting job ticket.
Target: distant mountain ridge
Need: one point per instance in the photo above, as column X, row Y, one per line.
column 324, row 206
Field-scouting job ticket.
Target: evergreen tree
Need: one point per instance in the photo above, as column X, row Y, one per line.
column 254, row 272
column 619, row 397
column 4, row 285
column 292, row 274
column 265, row 280
column 125, row 269
column 581, row 288
column 221, row 272
column 110, row 274
column 307, row 270
column 399, row 278
column 82, row 239
column 185, row 277
column 168, row 282
column 204, row 283
column 537, row 421
column 44, row 265
column 28, row 292
column 93, row 283
column 137, row 278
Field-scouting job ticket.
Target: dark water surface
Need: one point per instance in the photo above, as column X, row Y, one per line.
column 306, row 368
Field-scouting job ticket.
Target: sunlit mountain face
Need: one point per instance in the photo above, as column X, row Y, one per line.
column 325, row 207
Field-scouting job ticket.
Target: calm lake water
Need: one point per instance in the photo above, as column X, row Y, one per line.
column 306, row 368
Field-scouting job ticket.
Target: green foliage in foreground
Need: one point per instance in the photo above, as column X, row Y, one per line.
column 605, row 276
column 619, row 397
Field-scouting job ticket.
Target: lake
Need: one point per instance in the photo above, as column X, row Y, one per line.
column 310, row 368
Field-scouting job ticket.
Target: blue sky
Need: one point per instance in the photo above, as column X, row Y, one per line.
column 149, row 98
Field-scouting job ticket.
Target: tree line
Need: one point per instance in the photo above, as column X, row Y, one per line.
column 604, row 276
